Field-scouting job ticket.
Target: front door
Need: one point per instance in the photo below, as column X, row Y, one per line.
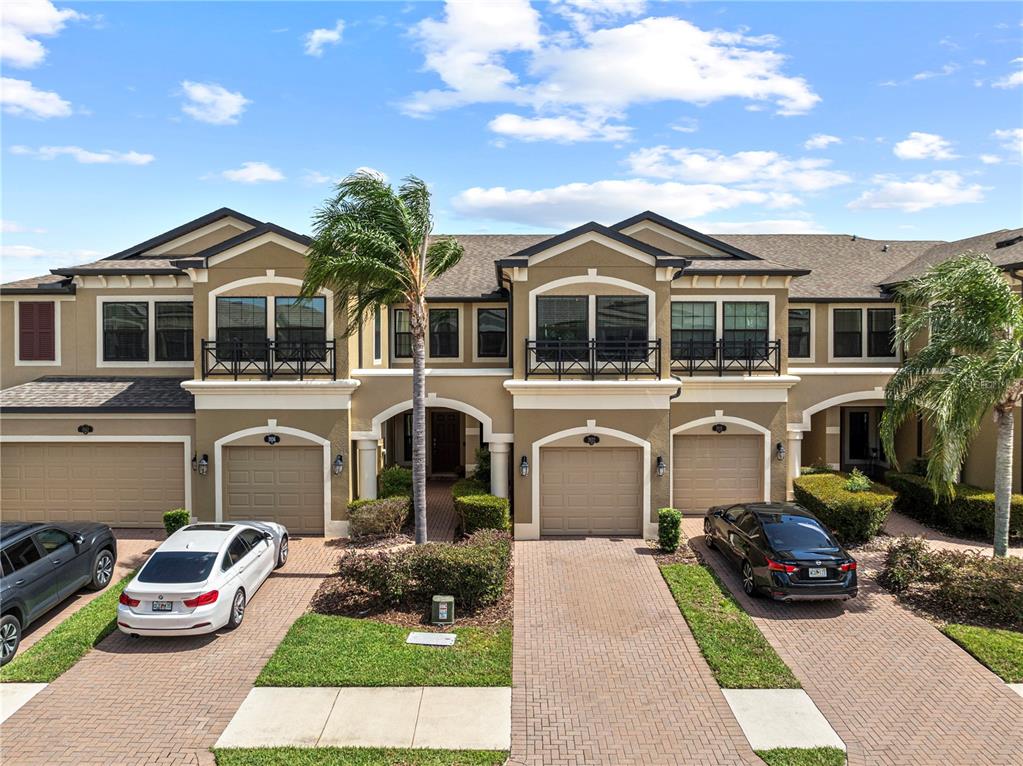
column 445, row 441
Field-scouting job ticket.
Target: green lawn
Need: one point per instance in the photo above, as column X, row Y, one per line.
column 356, row 756
column 322, row 650
column 1000, row 650
column 68, row 642
column 736, row 650
column 803, row 756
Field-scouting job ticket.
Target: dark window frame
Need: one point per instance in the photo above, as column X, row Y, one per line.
column 407, row 436
column 401, row 339
column 482, row 347
column 888, row 335
column 703, row 338
column 847, row 335
column 186, row 341
column 446, row 344
column 141, row 342
column 312, row 338
column 736, row 340
column 377, row 333
column 253, row 347
column 806, row 337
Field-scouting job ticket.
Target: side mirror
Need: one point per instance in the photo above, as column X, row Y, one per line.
column 718, row 512
column 268, row 537
column 78, row 540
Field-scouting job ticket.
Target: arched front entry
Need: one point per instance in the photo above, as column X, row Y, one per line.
column 842, row 432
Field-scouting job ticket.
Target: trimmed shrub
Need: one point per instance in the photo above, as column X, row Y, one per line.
column 854, row 517
column 958, row 586
column 858, row 481
column 472, row 571
column 970, row 512
column 477, row 512
column 394, row 481
column 669, row 523
column 175, row 520
column 468, row 487
column 482, row 472
column 383, row 516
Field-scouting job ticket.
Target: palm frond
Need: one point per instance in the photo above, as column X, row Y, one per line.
column 441, row 255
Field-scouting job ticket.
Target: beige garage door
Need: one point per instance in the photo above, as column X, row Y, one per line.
column 123, row 485
column 715, row 470
column 282, row 484
column 591, row 491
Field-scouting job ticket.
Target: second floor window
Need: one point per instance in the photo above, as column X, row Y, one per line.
column 561, row 318
column 126, row 332
column 377, row 329
column 744, row 329
column 301, row 327
column 847, row 332
column 444, row 333
column 880, row 333
column 799, row 333
column 492, row 333
column 241, row 327
column 174, row 331
column 402, row 334
column 693, row 329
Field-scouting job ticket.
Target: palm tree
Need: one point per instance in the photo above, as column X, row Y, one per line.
column 372, row 248
column 971, row 364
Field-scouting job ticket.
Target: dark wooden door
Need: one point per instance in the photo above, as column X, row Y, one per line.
column 445, row 441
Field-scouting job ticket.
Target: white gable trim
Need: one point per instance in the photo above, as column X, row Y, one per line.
column 184, row 239
column 592, row 236
column 262, row 239
column 674, row 235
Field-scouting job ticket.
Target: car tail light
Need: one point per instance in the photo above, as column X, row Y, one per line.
column 206, row 598
column 128, row 600
column 775, row 566
column 849, row 567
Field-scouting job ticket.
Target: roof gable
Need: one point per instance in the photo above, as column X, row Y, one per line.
column 161, row 241
column 696, row 238
column 623, row 243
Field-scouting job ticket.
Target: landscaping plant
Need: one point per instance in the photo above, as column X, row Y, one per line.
column 393, row 481
column 175, row 520
column 483, row 511
column 482, row 472
column 669, row 523
column 853, row 516
column 858, row 481
column 971, row 365
column 384, row 516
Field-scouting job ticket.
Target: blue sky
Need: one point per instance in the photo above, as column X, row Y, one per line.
column 121, row 120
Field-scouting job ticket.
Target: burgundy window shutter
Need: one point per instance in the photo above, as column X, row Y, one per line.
column 36, row 331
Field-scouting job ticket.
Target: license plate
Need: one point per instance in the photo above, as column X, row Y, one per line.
column 163, row 606
column 818, row 572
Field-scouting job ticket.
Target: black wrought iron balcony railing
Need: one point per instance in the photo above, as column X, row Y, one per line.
column 269, row 359
column 723, row 355
column 594, row 358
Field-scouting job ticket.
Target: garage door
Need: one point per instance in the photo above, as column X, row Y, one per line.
column 123, row 485
column 715, row 470
column 283, row 484
column 591, row 491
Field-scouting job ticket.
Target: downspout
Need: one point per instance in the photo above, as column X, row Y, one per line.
column 678, row 391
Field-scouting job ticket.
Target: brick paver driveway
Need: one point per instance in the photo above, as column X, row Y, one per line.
column 897, row 691
column 605, row 668
column 162, row 701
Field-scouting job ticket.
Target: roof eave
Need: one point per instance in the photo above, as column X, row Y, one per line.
column 675, row 226
column 182, row 230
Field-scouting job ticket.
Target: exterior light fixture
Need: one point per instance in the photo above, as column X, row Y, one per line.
column 85, row 429
column 660, row 466
column 780, row 451
column 720, row 428
column 339, row 464
column 591, row 439
column 203, row 465
column 524, row 466
column 195, row 462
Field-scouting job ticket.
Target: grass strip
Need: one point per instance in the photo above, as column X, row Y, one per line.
column 1000, row 650
column 67, row 643
column 325, row 650
column 737, row 652
column 355, row 756
column 803, row 756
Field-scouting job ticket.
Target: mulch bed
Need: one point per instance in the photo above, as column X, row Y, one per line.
column 684, row 554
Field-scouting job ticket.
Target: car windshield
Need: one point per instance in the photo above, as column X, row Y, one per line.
column 178, row 566
column 796, row 533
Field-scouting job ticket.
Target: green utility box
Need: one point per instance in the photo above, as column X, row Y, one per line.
column 443, row 610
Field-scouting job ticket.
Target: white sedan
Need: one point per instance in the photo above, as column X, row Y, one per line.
column 200, row 578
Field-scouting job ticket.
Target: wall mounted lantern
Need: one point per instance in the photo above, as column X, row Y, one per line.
column 780, row 451
column 720, row 428
column 524, row 466
column 85, row 429
column 339, row 464
column 204, row 465
column 660, row 466
column 591, row 439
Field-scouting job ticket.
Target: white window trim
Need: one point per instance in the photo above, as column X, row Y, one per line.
column 271, row 305
column 392, row 330
column 863, row 333
column 475, row 308
column 150, row 300
column 460, row 334
column 813, row 334
column 591, row 279
column 18, row 361
column 719, row 310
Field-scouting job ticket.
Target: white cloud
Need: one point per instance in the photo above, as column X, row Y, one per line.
column 23, row 261
column 930, row 74
column 253, row 173
column 85, row 156
column 753, row 169
column 941, row 188
column 13, row 227
column 24, row 20
column 990, row 159
column 212, row 103
column 1012, row 139
column 561, row 129
column 366, row 169
column 924, row 146
column 769, row 226
column 571, row 204
column 1012, row 80
column 686, row 125
column 585, row 14
column 21, row 251
column 821, row 141
column 21, row 98
column 316, row 178
column 318, row 39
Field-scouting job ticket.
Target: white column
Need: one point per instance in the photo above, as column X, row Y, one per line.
column 499, row 452
column 367, row 468
column 795, row 459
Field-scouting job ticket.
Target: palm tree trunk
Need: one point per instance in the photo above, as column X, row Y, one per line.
column 417, row 323
column 1003, row 477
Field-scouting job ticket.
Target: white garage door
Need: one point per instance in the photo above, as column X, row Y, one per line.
column 283, row 484
column 591, row 491
column 120, row 484
column 716, row 470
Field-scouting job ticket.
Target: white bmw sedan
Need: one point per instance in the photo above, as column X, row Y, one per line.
column 200, row 578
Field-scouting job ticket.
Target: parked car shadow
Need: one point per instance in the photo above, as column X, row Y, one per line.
column 119, row 643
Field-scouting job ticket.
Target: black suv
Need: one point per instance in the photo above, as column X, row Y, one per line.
column 43, row 564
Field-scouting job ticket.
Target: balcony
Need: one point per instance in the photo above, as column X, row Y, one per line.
column 720, row 356
column 594, row 358
column 269, row 359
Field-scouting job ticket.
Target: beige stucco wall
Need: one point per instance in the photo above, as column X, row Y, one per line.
column 467, row 340
column 979, row 468
column 812, row 390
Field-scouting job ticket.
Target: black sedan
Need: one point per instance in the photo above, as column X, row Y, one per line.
column 43, row 564
column 782, row 550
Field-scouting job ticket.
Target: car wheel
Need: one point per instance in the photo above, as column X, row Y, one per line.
column 708, row 534
column 10, row 637
column 102, row 570
column 282, row 554
column 749, row 585
column 237, row 610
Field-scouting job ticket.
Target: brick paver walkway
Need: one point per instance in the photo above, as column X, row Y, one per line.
column 897, row 691
column 605, row 668
column 441, row 520
column 162, row 701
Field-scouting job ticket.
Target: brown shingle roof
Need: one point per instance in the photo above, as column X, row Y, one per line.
column 982, row 243
column 129, row 266
column 45, row 283
column 475, row 274
column 55, row 393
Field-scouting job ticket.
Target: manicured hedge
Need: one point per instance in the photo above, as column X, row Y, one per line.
column 383, row 516
column 854, row 517
column 669, row 522
column 393, row 481
column 469, row 487
column 175, row 520
column 477, row 512
column 970, row 511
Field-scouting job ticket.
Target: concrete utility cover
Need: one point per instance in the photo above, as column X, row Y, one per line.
column 431, row 639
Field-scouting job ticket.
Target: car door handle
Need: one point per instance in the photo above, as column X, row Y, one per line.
column 19, row 582
column 55, row 561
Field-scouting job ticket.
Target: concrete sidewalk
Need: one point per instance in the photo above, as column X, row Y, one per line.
column 450, row 718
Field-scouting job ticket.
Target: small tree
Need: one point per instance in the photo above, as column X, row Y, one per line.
column 972, row 364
